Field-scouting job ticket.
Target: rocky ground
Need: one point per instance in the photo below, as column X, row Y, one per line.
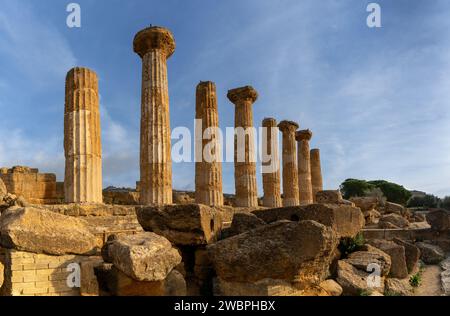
column 186, row 249
column 431, row 282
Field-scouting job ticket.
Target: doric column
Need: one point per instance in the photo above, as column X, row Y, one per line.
column 290, row 170
column 155, row 45
column 271, row 167
column 316, row 173
column 82, row 138
column 304, row 167
column 208, row 169
column 244, row 146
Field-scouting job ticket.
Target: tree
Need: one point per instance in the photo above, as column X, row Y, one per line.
column 393, row 192
column 429, row 201
column 445, row 203
column 354, row 187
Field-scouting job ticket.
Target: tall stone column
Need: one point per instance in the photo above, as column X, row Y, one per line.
column 304, row 166
column 271, row 176
column 244, row 147
column 155, row 45
column 208, row 170
column 82, row 138
column 290, row 170
column 316, row 173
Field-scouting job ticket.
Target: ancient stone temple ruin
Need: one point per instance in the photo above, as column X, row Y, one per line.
column 316, row 173
column 290, row 170
column 304, row 166
column 156, row 241
column 244, row 146
column 208, row 169
column 155, row 45
column 271, row 166
column 35, row 187
column 82, row 138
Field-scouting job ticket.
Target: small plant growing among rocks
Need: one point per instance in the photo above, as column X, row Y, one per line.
column 349, row 245
column 416, row 279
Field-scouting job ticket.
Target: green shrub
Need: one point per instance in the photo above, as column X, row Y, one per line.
column 416, row 279
column 349, row 245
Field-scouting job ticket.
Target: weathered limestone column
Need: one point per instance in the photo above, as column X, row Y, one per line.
column 244, row 148
column 304, row 167
column 290, row 170
column 316, row 173
column 208, row 170
column 155, row 45
column 271, row 177
column 82, row 138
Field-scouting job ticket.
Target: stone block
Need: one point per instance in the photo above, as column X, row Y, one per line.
column 346, row 220
column 192, row 224
column 300, row 251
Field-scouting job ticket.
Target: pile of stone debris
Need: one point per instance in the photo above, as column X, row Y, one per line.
column 387, row 215
column 189, row 250
column 8, row 200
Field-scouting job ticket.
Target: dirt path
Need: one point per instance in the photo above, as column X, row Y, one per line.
column 431, row 282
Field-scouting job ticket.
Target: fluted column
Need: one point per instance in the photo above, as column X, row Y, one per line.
column 316, row 173
column 290, row 170
column 244, row 146
column 155, row 45
column 304, row 166
column 208, row 169
column 82, row 138
column 271, row 167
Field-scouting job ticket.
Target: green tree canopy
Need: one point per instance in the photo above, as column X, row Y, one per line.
column 429, row 201
column 393, row 192
column 354, row 187
column 445, row 203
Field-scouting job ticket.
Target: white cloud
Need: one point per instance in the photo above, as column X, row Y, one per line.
column 18, row 149
column 120, row 152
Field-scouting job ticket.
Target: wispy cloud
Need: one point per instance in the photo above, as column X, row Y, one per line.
column 120, row 152
column 18, row 149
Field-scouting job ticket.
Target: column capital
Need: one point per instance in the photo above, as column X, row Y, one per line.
column 206, row 85
column 269, row 122
column 81, row 77
column 303, row 135
column 288, row 126
column 152, row 38
column 242, row 94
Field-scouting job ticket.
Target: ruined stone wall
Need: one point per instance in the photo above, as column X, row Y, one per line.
column 30, row 274
column 35, row 187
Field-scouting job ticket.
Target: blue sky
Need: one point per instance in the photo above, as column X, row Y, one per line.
column 377, row 100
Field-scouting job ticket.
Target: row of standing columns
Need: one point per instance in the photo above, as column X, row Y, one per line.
column 302, row 176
